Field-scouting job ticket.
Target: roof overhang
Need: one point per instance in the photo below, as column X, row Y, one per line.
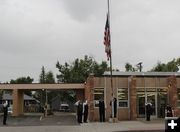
column 36, row 86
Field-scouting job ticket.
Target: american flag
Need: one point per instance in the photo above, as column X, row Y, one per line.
column 107, row 41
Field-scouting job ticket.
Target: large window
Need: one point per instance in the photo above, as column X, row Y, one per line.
column 123, row 97
column 178, row 92
column 98, row 94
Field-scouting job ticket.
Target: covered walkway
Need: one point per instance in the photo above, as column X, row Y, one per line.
column 18, row 92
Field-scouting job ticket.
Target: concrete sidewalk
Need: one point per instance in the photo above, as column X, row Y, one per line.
column 122, row 126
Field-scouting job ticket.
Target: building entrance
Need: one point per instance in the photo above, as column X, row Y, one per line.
column 158, row 98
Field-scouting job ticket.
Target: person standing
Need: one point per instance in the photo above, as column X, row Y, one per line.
column 85, row 111
column 148, row 110
column 5, row 111
column 79, row 105
column 102, row 110
column 169, row 112
column 115, row 107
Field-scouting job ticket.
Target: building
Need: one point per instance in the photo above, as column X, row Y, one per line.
column 133, row 90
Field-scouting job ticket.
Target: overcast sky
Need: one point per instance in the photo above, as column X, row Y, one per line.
column 36, row 33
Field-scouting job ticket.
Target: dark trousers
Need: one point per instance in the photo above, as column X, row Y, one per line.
column 4, row 119
column 102, row 116
column 148, row 117
column 85, row 116
column 79, row 117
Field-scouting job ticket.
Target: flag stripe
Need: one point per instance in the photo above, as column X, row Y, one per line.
column 107, row 40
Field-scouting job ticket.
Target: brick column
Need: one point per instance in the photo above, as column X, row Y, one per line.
column 79, row 94
column 172, row 93
column 132, row 92
column 18, row 102
column 89, row 95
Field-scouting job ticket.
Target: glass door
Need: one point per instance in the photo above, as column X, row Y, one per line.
column 141, row 102
column 141, row 106
column 151, row 97
column 161, row 102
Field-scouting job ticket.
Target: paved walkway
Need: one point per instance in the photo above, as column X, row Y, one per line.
column 124, row 126
column 66, row 122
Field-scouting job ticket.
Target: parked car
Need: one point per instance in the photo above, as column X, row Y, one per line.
column 10, row 110
column 64, row 108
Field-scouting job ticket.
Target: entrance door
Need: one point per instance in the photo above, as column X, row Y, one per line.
column 142, row 98
column 141, row 106
column 161, row 102
column 151, row 96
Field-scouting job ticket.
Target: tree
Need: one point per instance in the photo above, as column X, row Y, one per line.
column 42, row 76
column 45, row 78
column 171, row 66
column 129, row 67
column 49, row 77
column 79, row 70
column 23, row 80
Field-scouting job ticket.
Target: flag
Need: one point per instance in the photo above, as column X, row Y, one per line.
column 107, row 41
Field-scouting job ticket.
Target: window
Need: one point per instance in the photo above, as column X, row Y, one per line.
column 98, row 94
column 178, row 92
column 123, row 97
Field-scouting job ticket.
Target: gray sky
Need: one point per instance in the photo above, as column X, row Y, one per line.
column 36, row 33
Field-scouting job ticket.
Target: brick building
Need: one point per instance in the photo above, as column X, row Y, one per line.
column 132, row 90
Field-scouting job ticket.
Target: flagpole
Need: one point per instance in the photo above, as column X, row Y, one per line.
column 112, row 90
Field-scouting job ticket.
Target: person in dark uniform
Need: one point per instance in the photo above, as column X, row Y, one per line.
column 115, row 107
column 169, row 111
column 79, row 111
column 102, row 110
column 85, row 111
column 148, row 111
column 5, row 111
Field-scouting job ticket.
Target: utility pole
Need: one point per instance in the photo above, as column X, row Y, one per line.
column 140, row 66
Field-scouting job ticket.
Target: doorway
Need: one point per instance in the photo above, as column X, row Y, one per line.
column 157, row 98
column 146, row 95
column 161, row 102
column 152, row 97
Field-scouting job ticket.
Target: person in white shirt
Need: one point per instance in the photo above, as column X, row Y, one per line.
column 5, row 110
column 148, row 110
column 79, row 105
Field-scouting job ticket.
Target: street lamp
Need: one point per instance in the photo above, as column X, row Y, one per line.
column 46, row 102
column 140, row 66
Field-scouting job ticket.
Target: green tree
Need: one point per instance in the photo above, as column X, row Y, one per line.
column 42, row 76
column 79, row 70
column 23, row 80
column 129, row 67
column 45, row 78
column 171, row 66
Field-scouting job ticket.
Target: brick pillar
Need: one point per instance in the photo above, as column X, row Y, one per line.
column 79, row 95
column 89, row 95
column 172, row 93
column 18, row 102
column 132, row 94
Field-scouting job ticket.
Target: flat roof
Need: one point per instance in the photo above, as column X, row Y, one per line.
column 119, row 73
column 37, row 86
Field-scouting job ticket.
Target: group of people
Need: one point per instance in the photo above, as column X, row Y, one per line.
column 102, row 107
column 82, row 111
